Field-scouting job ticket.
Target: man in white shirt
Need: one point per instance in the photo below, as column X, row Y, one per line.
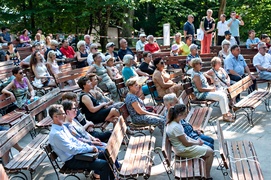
column 222, row 26
column 262, row 62
column 229, row 38
column 141, row 42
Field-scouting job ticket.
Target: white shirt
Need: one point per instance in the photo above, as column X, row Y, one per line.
column 232, row 41
column 90, row 59
column 264, row 61
column 222, row 27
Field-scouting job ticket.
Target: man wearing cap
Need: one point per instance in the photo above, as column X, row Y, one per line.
column 222, row 26
column 262, row 61
column 189, row 27
column 252, row 42
column 193, row 54
column 233, row 23
column 229, row 38
column 140, row 44
column 125, row 50
column 60, row 58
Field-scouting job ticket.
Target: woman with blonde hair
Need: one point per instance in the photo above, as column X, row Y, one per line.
column 81, row 54
column 51, row 63
column 207, row 25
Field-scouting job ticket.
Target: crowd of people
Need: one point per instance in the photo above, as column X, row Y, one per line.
column 72, row 130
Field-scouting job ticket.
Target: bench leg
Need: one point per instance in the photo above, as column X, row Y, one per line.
column 266, row 102
column 20, row 177
column 168, row 169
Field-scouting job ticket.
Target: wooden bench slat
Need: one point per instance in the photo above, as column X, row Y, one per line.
column 242, row 145
column 196, row 166
column 233, row 167
column 190, row 171
column 236, row 155
column 141, row 146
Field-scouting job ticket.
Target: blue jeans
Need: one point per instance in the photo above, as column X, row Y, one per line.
column 103, row 136
column 99, row 165
column 207, row 140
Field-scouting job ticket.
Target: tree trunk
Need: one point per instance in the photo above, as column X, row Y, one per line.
column 33, row 28
column 104, row 27
column 128, row 26
column 222, row 7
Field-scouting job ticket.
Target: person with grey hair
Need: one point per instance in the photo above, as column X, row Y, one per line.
column 222, row 26
column 151, row 46
column 225, row 51
column 207, row 25
column 60, row 58
column 203, row 91
column 262, row 62
column 193, row 54
column 81, row 54
column 93, row 49
column 140, row 44
column 87, row 42
column 125, row 50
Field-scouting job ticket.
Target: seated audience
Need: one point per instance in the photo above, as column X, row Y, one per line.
column 151, row 46
column 252, row 41
column 42, row 76
column 235, row 65
column 105, row 82
column 262, row 62
column 218, row 76
column 26, row 61
column 67, row 146
column 174, row 50
column 67, row 50
column 5, row 36
column 230, row 38
column 125, row 50
column 48, row 42
column 193, row 54
column 60, row 58
column 225, row 51
column 87, row 40
column 203, row 91
column 38, row 39
column 87, row 124
column 110, row 51
column 112, row 70
column 184, row 48
column 12, row 54
column 146, row 66
column 170, row 100
column 140, row 44
column 94, row 111
column 81, row 55
column 19, row 89
column 162, row 80
column 183, row 145
column 137, row 110
column 42, row 37
column 93, row 50
column 52, row 64
column 178, row 40
column 24, row 39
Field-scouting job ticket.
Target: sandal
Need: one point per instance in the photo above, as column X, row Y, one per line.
column 95, row 176
column 228, row 119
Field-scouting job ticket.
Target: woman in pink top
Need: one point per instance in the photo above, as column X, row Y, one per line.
column 151, row 46
column 24, row 39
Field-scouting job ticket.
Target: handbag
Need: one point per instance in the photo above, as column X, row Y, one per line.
column 200, row 34
column 86, row 156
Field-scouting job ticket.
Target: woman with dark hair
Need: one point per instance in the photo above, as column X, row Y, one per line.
column 42, row 76
column 12, row 54
column 93, row 110
column 146, row 65
column 24, row 39
column 183, row 145
column 162, row 80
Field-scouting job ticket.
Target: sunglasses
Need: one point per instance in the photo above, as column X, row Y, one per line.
column 95, row 48
column 20, row 73
column 161, row 62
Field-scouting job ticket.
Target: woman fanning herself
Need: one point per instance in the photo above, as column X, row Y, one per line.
column 183, row 145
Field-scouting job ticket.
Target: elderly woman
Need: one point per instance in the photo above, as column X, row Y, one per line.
column 137, row 110
column 105, row 83
column 20, row 87
column 60, row 58
column 92, row 50
column 193, row 54
column 94, row 111
column 110, row 51
column 183, row 145
column 24, row 39
column 204, row 92
column 151, row 46
column 112, row 70
column 12, row 54
column 81, row 55
column 42, row 76
column 162, row 80
column 184, row 48
column 218, row 76
column 207, row 24
column 225, row 51
column 146, row 66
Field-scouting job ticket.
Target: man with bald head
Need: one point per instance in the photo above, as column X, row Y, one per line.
column 189, row 26
column 125, row 50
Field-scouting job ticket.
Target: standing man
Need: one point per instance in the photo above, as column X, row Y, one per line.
column 140, row 44
column 234, row 22
column 189, row 27
column 222, row 26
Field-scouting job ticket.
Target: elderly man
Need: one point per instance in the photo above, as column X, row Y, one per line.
column 38, row 39
column 67, row 50
column 189, row 26
column 262, row 62
column 229, row 37
column 125, row 50
column 235, row 65
column 151, row 46
column 88, row 42
column 178, row 39
column 60, row 58
column 233, row 23
column 222, row 26
column 141, row 42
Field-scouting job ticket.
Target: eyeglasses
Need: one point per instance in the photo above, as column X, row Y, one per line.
column 264, row 47
column 20, row 73
column 95, row 48
column 74, row 109
column 161, row 62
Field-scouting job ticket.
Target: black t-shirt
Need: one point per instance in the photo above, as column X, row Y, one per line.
column 145, row 67
column 208, row 24
column 122, row 52
column 115, row 55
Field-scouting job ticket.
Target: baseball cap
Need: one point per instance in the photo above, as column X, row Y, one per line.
column 110, row 44
column 108, row 57
column 142, row 35
column 174, row 47
column 227, row 33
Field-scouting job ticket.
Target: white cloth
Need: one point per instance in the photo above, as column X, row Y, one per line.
column 222, row 98
column 90, row 59
column 222, row 27
column 264, row 61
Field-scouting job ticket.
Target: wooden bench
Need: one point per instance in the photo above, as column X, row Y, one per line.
column 31, row 156
column 121, row 88
column 251, row 101
column 138, row 157
column 239, row 157
column 154, row 94
column 184, row 168
column 253, row 71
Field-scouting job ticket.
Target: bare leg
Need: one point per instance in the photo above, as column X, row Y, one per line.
column 114, row 113
column 209, row 156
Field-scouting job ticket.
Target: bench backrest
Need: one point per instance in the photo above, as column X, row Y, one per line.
column 15, row 133
column 239, row 87
column 52, row 156
column 189, row 89
column 121, row 88
column 5, row 101
column 166, row 148
column 6, row 63
column 124, row 111
column 185, row 99
column 115, row 140
column 222, row 145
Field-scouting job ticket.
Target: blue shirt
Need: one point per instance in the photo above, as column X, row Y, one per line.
column 6, row 37
column 234, row 28
column 188, row 130
column 252, row 41
column 189, row 28
column 128, row 72
column 65, row 145
column 238, row 65
column 122, row 53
